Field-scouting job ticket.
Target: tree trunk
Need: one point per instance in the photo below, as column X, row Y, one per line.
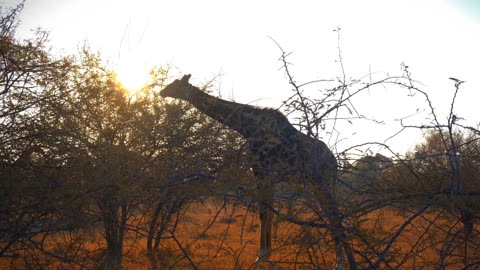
column 114, row 219
column 113, row 260
column 467, row 220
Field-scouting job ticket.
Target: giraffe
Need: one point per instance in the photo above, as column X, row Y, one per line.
column 277, row 152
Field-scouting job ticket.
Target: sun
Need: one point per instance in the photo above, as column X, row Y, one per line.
column 132, row 74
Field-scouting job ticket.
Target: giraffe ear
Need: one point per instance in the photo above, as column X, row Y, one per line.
column 185, row 78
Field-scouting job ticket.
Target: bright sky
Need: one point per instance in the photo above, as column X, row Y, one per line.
column 438, row 39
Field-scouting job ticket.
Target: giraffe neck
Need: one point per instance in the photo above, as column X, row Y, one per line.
column 239, row 117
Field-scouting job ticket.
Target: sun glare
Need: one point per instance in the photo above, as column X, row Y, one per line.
column 133, row 76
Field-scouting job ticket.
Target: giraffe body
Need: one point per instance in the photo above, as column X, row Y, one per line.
column 278, row 152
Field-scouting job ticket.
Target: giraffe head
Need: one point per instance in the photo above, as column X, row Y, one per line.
column 178, row 89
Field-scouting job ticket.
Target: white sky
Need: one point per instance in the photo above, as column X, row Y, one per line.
column 438, row 39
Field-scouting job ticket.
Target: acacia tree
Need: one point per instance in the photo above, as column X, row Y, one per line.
column 444, row 176
column 131, row 155
column 29, row 79
column 77, row 154
column 418, row 187
column 55, row 142
column 81, row 156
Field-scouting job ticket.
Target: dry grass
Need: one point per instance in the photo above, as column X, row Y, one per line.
column 216, row 237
